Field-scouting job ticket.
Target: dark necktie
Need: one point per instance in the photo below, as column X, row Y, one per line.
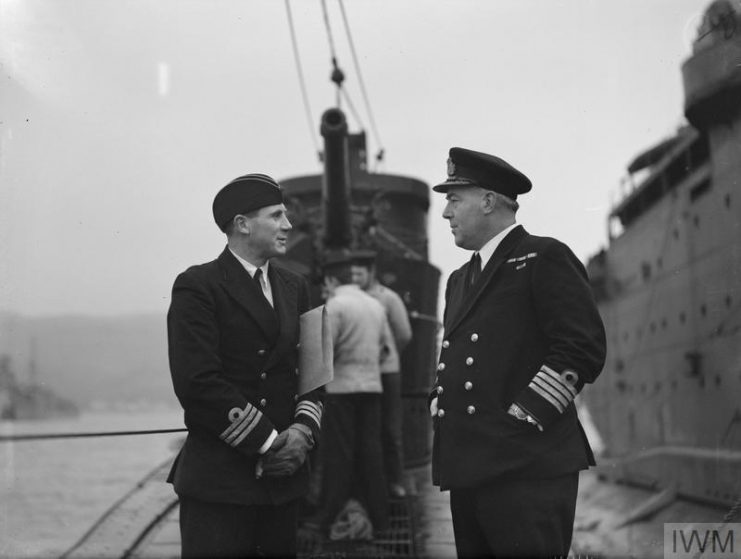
column 474, row 268
column 257, row 278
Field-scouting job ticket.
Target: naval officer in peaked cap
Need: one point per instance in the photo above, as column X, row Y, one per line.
column 522, row 336
column 233, row 333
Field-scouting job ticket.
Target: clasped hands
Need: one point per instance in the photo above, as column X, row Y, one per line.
column 287, row 453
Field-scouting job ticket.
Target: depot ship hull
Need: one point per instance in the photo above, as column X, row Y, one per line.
column 669, row 290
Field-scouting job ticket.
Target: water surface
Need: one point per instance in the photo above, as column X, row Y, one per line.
column 51, row 492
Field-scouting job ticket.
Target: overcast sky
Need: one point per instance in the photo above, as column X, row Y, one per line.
column 120, row 119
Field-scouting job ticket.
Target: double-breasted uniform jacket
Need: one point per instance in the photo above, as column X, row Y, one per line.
column 233, row 361
column 517, row 335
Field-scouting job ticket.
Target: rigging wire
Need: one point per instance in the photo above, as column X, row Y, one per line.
column 374, row 128
column 337, row 75
column 351, row 106
column 330, row 38
column 302, row 81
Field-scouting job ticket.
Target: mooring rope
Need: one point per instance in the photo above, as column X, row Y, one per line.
column 47, row 436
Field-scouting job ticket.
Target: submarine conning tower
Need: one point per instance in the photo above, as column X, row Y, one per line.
column 347, row 207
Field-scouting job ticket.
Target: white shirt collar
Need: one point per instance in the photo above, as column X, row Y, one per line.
column 491, row 245
column 267, row 289
column 250, row 267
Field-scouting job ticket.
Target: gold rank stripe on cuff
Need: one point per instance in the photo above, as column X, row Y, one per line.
column 554, row 376
column 546, row 396
column 311, row 409
column 550, row 386
column 242, row 425
column 548, row 382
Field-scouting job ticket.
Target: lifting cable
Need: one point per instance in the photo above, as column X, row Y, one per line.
column 301, row 80
column 374, row 129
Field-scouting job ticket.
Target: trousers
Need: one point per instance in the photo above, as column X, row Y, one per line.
column 351, row 456
column 228, row 530
column 391, row 427
column 515, row 518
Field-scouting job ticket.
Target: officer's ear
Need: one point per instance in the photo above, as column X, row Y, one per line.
column 241, row 224
column 488, row 202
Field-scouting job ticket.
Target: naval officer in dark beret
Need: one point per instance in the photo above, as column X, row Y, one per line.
column 522, row 337
column 233, row 333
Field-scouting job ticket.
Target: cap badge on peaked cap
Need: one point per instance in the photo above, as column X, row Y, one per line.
column 467, row 167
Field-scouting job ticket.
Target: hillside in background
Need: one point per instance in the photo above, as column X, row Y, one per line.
column 97, row 362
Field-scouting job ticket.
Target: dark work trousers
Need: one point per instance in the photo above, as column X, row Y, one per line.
column 228, row 530
column 515, row 518
column 351, row 452
column 391, row 420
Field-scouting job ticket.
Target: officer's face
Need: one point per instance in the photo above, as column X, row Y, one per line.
column 465, row 212
column 268, row 230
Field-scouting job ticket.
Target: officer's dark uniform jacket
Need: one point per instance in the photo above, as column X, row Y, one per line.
column 233, row 360
column 517, row 335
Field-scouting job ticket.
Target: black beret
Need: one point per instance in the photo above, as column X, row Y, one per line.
column 363, row 257
column 343, row 258
column 346, row 256
column 474, row 168
column 243, row 195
